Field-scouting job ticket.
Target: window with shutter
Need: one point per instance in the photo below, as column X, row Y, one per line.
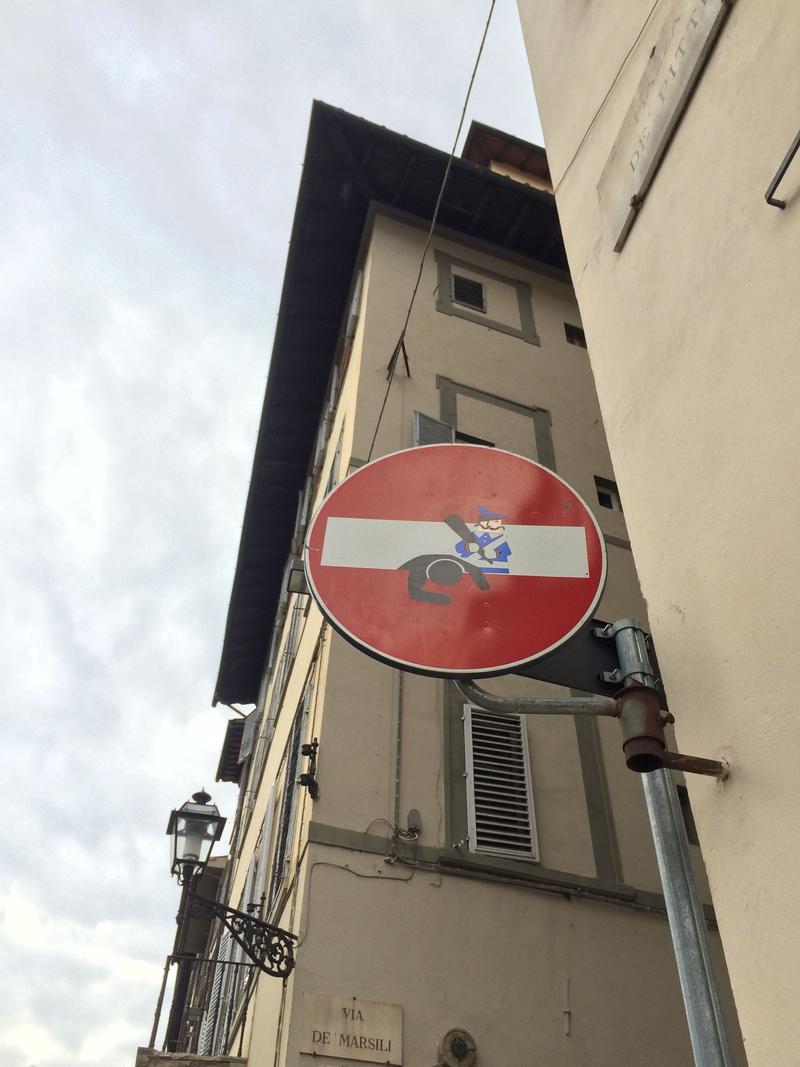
column 264, row 843
column 226, row 1004
column 283, row 841
column 428, row 431
column 500, row 813
column 207, row 1033
column 249, row 735
column 333, row 474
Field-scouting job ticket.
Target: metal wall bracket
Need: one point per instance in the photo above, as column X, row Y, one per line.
column 769, row 196
column 269, row 947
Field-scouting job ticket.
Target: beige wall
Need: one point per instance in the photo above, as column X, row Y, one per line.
column 692, row 329
column 458, row 951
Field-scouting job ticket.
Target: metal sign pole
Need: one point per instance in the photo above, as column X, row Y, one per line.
column 687, row 922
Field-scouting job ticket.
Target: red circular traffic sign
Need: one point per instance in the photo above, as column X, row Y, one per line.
column 455, row 560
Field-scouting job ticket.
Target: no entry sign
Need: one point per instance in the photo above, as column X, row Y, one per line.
column 455, row 560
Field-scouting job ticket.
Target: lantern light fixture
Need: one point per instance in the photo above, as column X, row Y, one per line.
column 194, row 827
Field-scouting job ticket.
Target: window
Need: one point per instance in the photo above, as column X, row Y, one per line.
column 607, row 494
column 428, row 431
column 285, row 825
column 575, row 335
column 249, row 735
column 500, row 817
column 473, row 292
column 333, row 476
column 211, row 1034
column 468, row 292
column 470, row 439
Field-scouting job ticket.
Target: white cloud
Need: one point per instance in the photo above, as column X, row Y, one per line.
column 153, row 154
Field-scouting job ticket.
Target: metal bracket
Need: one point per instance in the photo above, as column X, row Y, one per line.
column 616, row 677
column 769, row 195
column 636, row 707
column 269, row 947
column 399, row 350
column 633, row 664
column 308, row 779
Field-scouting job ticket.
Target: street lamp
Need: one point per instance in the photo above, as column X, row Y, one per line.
column 194, row 828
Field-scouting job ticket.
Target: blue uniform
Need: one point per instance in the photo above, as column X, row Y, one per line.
column 483, row 540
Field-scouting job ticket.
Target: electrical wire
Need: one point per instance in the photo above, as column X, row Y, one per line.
column 397, row 831
column 400, row 346
column 603, row 102
column 303, row 935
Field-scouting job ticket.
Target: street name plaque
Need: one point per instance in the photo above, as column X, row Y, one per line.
column 675, row 64
column 349, row 1028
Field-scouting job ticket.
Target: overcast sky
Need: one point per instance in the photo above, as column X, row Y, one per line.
column 151, row 154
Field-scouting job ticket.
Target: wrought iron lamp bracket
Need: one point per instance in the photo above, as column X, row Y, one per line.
column 269, row 947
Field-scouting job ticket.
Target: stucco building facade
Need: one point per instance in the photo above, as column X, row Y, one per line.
column 690, row 324
column 456, row 920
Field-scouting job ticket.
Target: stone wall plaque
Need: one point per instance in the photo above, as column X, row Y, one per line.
column 675, row 64
column 353, row 1029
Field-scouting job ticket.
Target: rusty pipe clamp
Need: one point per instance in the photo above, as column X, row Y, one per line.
column 643, row 740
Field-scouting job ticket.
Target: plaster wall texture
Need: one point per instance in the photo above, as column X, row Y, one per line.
column 374, row 941
column 507, row 966
column 691, row 330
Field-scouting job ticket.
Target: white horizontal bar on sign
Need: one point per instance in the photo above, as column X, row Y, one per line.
column 386, row 544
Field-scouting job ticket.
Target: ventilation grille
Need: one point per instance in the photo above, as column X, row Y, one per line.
column 499, row 798
column 469, row 292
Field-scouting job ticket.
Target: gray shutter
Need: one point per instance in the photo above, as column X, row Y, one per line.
column 428, row 431
column 283, row 842
column 226, row 1005
column 355, row 304
column 500, row 813
column 206, row 1042
column 248, row 735
column 333, row 476
column 263, row 847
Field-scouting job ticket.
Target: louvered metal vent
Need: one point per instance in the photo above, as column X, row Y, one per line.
column 499, row 795
column 428, row 431
column 469, row 292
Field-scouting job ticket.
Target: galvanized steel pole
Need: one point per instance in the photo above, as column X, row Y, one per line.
column 687, row 922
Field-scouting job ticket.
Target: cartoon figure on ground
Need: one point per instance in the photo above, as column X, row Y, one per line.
column 441, row 570
column 485, row 541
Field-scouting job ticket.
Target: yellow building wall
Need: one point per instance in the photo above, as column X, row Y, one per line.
column 517, row 966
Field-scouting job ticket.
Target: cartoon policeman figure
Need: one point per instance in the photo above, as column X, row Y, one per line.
column 483, row 542
column 482, row 549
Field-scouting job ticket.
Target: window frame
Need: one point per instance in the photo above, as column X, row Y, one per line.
column 609, row 487
column 446, row 264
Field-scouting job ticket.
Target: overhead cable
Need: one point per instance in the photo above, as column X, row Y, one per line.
column 399, row 348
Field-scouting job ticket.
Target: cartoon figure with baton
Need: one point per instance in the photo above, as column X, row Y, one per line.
column 486, row 540
column 482, row 549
